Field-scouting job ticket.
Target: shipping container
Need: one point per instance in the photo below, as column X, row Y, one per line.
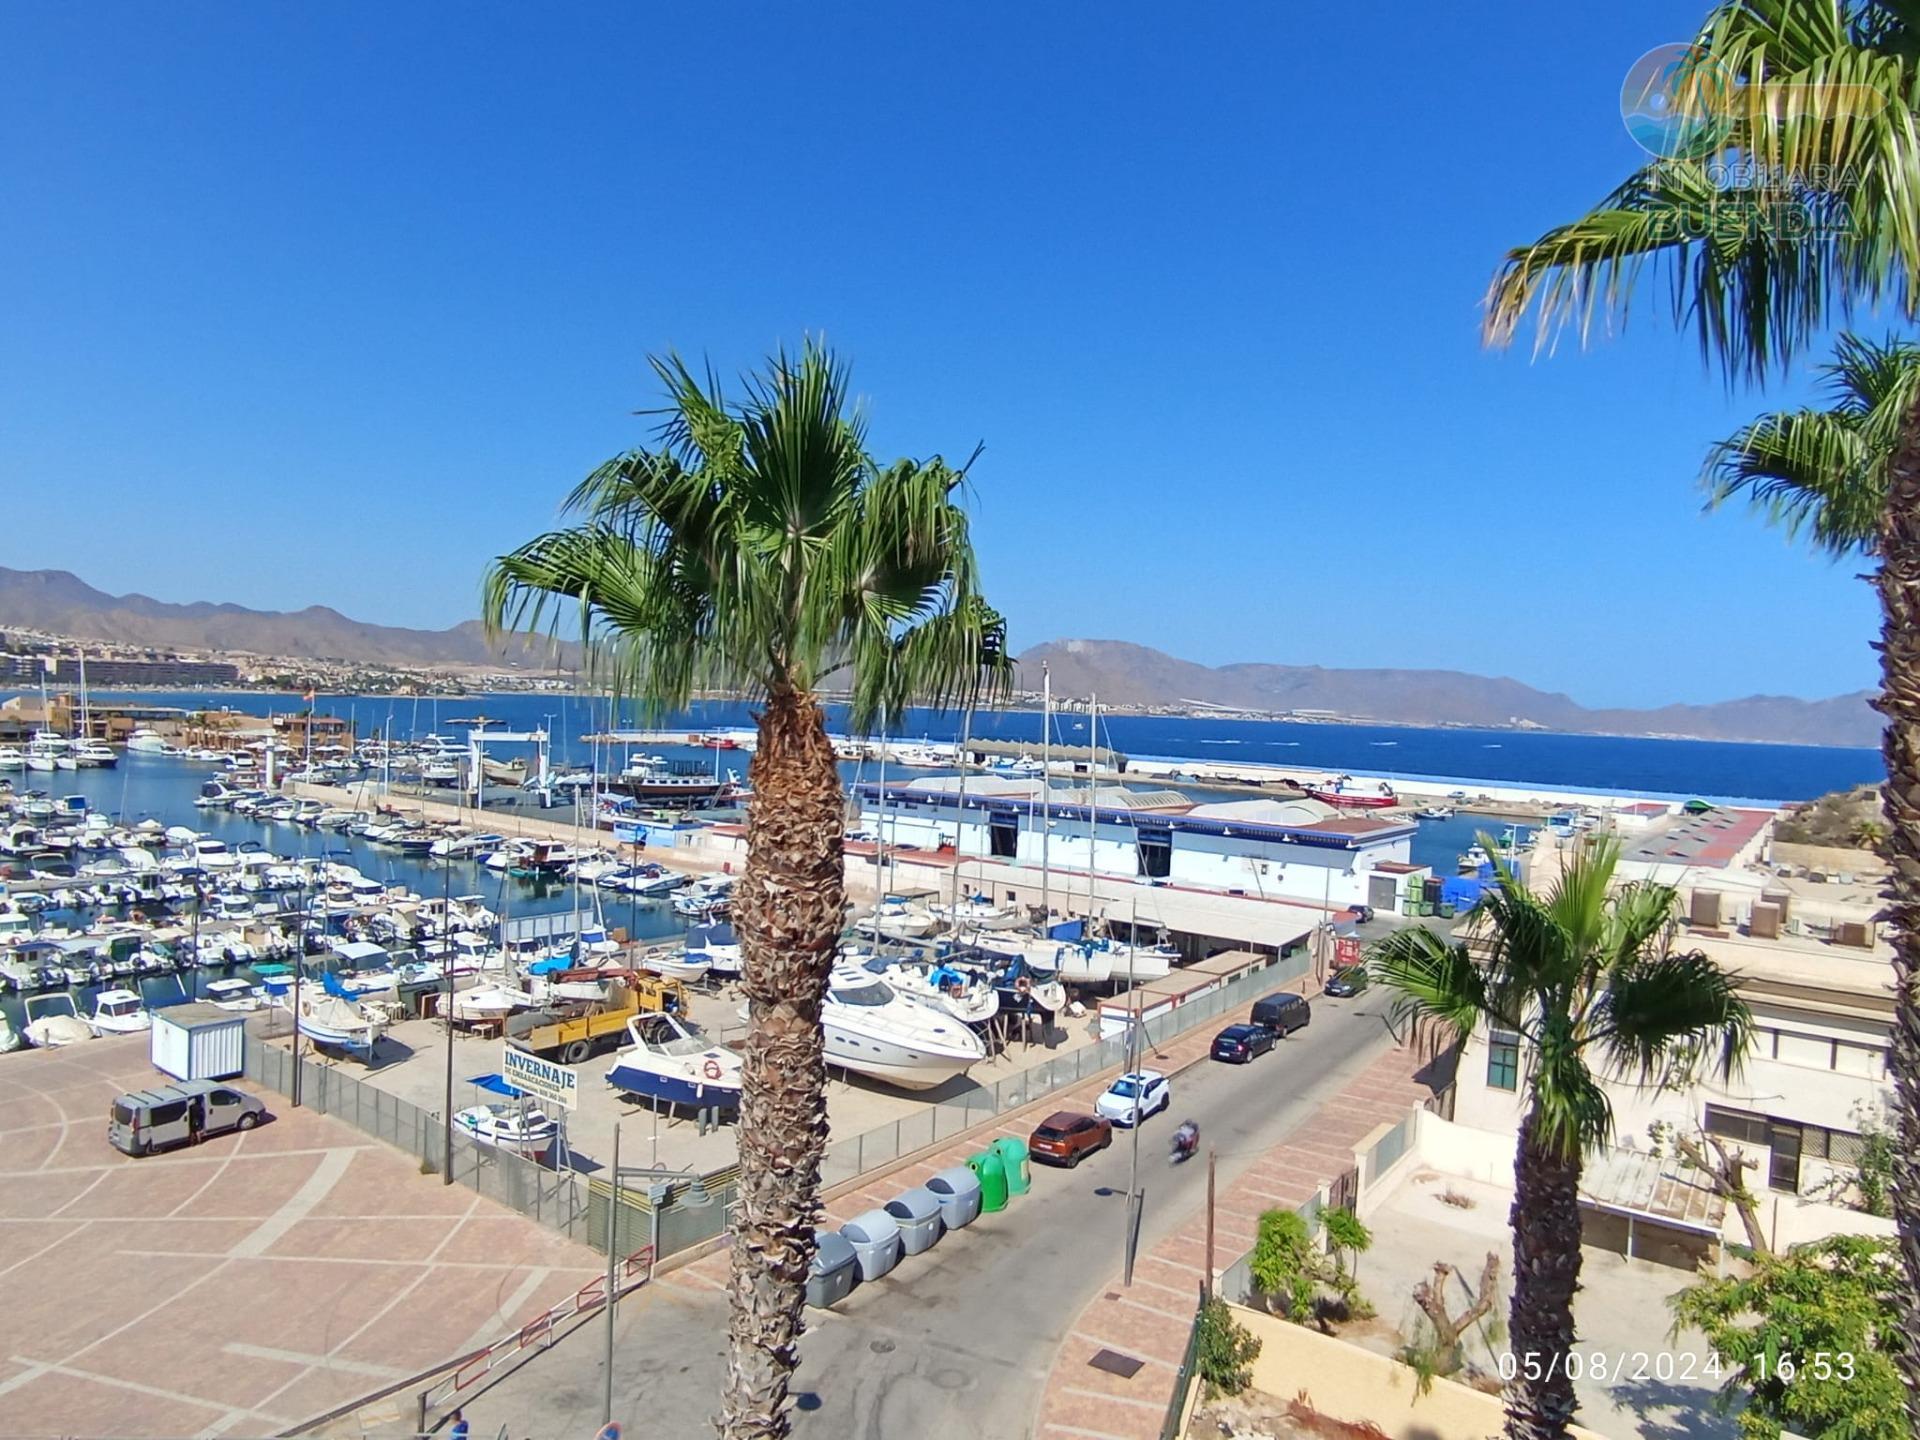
column 199, row 1042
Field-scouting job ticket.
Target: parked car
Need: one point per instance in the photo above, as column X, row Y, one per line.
column 1350, row 981
column 1135, row 1097
column 144, row 1121
column 1067, row 1137
column 1282, row 1014
column 1238, row 1044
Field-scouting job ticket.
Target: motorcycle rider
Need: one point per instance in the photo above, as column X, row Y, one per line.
column 1186, row 1139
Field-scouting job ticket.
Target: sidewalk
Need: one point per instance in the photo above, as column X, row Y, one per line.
column 1152, row 1320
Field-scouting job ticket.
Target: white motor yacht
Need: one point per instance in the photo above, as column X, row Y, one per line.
column 52, row 1021
column 674, row 1060
column 47, row 751
column 894, row 916
column 92, row 755
column 967, row 996
column 874, row 1030
column 147, row 742
column 119, row 1012
column 12, row 758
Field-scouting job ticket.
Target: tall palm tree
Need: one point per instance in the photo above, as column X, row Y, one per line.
column 1814, row 109
column 1584, row 975
column 759, row 549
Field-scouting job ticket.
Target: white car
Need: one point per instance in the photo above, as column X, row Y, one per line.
column 1134, row 1097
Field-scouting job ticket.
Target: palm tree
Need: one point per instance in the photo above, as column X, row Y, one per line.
column 1815, row 123
column 758, row 548
column 1583, row 974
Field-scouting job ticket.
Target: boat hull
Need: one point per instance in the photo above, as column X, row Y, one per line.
column 1344, row 800
column 648, row 1084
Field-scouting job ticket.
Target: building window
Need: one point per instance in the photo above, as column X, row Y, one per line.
column 1736, row 1125
column 1503, row 1060
column 1156, row 856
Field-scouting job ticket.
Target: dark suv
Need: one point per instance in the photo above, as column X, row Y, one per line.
column 1350, row 981
column 1238, row 1044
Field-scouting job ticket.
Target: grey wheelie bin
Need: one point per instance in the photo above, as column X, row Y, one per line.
column 834, row 1269
column 876, row 1243
column 958, row 1191
column 917, row 1213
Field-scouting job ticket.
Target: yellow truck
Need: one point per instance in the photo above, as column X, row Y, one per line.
column 571, row 1032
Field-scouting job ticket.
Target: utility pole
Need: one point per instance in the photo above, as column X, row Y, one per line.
column 1206, row 1280
column 613, row 1250
column 446, row 964
column 1136, row 1199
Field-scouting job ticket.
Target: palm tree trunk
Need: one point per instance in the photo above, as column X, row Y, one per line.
column 1899, row 584
column 788, row 911
column 1546, row 1272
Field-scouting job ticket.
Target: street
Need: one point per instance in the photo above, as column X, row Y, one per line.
column 957, row 1342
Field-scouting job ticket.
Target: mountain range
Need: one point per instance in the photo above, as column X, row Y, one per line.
column 1128, row 674
column 63, row 604
column 1119, row 672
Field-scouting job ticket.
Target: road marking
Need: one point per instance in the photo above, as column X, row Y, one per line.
column 296, row 1357
column 298, row 1206
column 178, row 1397
column 502, row 1318
column 78, row 1226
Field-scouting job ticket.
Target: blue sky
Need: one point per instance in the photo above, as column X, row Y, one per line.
column 329, row 304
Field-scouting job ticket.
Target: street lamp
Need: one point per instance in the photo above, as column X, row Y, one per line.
column 446, row 1017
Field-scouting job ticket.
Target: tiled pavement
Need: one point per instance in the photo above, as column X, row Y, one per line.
column 1151, row 1321
column 237, row 1286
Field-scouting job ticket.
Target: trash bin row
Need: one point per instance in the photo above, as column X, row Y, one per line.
column 871, row 1244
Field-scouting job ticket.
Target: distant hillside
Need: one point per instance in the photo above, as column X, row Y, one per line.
column 56, row 601
column 1128, row 674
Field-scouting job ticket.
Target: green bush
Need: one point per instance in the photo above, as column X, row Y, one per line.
column 1226, row 1350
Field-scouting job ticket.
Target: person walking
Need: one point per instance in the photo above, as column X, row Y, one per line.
column 460, row 1427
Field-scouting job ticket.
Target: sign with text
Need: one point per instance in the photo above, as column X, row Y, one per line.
column 555, row 1084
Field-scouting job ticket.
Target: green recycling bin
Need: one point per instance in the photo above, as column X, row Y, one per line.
column 989, row 1170
column 1012, row 1151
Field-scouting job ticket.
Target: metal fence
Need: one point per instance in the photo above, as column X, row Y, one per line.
column 553, row 1197
column 1184, row 1377
column 854, row 1156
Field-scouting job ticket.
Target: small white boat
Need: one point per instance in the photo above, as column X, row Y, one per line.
column 507, row 1126
column 489, row 1002
column 685, row 965
column 235, row 994
column 672, row 1059
column 119, row 1012
column 977, row 910
column 718, row 946
column 338, row 1024
column 1437, row 812
column 92, row 755
column 53, row 1021
column 9, row 1037
column 12, row 759
column 147, row 742
column 894, row 916
column 1472, row 858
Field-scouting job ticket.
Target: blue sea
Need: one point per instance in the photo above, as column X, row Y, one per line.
column 1601, row 764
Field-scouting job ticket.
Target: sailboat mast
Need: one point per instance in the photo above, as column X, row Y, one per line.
column 959, row 827
column 1093, row 798
column 1046, row 792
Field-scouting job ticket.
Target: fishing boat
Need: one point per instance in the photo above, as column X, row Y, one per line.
column 521, row 1130
column 119, row 1012
column 235, row 994
column 338, row 1023
column 874, row 1030
column 673, row 1060
column 1347, row 793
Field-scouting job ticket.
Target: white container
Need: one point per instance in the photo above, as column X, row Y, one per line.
column 199, row 1042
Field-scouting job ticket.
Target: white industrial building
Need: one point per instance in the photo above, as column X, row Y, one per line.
column 1296, row 849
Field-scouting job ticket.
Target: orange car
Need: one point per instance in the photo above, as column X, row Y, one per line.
column 1067, row 1137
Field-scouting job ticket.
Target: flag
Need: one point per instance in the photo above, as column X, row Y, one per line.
column 309, row 696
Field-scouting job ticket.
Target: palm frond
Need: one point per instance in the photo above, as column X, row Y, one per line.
column 1672, row 1011
column 1432, row 980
